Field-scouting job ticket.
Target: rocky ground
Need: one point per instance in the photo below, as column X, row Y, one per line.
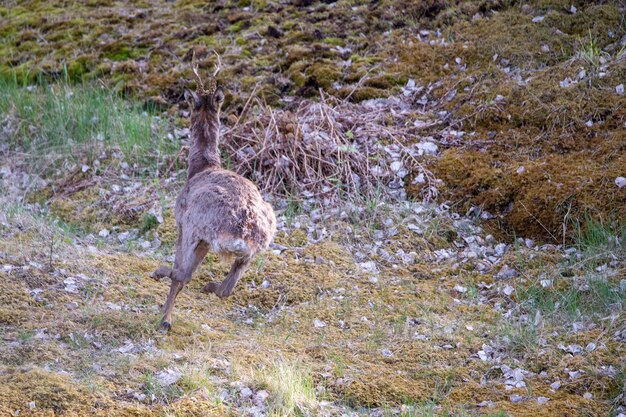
column 456, row 249
column 377, row 307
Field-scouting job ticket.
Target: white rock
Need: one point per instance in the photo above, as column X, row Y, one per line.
column 508, row 290
column 386, row 352
column 587, row 395
column 545, row 283
column 538, row 19
column 129, row 346
column 319, row 323
column 261, row 396
column 590, row 347
column 620, row 182
column 460, row 288
column 555, row 385
column 245, row 392
column 516, row 398
column 369, row 266
column 32, row 405
column 589, row 123
column 542, row 400
column 575, row 374
column 506, row 272
column 396, row 166
column 619, row 89
column 428, row 148
column 168, row 377
column 521, row 170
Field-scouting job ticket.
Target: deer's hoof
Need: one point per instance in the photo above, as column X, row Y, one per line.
column 163, row 271
column 211, row 287
column 165, row 327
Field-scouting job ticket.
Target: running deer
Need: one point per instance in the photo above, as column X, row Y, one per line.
column 217, row 210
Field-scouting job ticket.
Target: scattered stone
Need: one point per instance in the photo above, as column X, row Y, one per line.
column 590, row 347
column 70, row 285
column 260, row 397
column 587, row 396
column 139, row 396
column 514, row 398
column 506, row 272
column 127, row 347
column 386, row 352
column 103, row 233
column 538, row 19
column 168, row 377
column 620, row 182
column 319, row 323
column 245, row 392
column 619, row 89
column 460, row 288
column 369, row 267
column 508, row 290
column 428, row 148
column 555, row 385
column 542, row 400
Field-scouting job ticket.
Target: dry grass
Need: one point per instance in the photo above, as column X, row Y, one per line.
column 325, row 148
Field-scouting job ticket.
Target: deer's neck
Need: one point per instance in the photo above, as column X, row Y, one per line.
column 204, row 152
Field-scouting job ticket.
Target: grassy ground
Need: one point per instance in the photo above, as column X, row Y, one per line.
column 526, row 86
column 450, row 321
column 310, row 330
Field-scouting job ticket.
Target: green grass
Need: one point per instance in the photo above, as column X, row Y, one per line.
column 49, row 123
column 291, row 387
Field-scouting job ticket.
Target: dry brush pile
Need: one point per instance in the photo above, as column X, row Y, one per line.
column 328, row 148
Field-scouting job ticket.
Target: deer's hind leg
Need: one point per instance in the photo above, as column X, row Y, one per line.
column 188, row 257
column 225, row 289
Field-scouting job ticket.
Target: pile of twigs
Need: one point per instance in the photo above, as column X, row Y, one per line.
column 325, row 148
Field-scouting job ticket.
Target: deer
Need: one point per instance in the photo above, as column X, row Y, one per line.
column 217, row 210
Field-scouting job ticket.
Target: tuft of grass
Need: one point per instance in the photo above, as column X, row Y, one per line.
column 597, row 237
column 292, row 392
column 589, row 50
column 49, row 123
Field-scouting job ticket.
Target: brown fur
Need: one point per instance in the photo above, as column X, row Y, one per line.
column 217, row 210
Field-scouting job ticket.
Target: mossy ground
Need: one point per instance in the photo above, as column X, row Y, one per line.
column 407, row 339
column 506, row 82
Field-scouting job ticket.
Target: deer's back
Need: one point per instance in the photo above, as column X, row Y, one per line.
column 217, row 205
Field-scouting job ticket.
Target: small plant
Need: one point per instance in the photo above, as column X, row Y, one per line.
column 148, row 222
column 589, row 51
column 292, row 392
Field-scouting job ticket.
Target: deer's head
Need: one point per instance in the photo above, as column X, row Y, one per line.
column 205, row 101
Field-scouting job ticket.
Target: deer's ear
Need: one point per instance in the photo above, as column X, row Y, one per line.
column 193, row 98
column 218, row 97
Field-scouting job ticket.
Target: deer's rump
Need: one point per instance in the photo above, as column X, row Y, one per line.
column 227, row 212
